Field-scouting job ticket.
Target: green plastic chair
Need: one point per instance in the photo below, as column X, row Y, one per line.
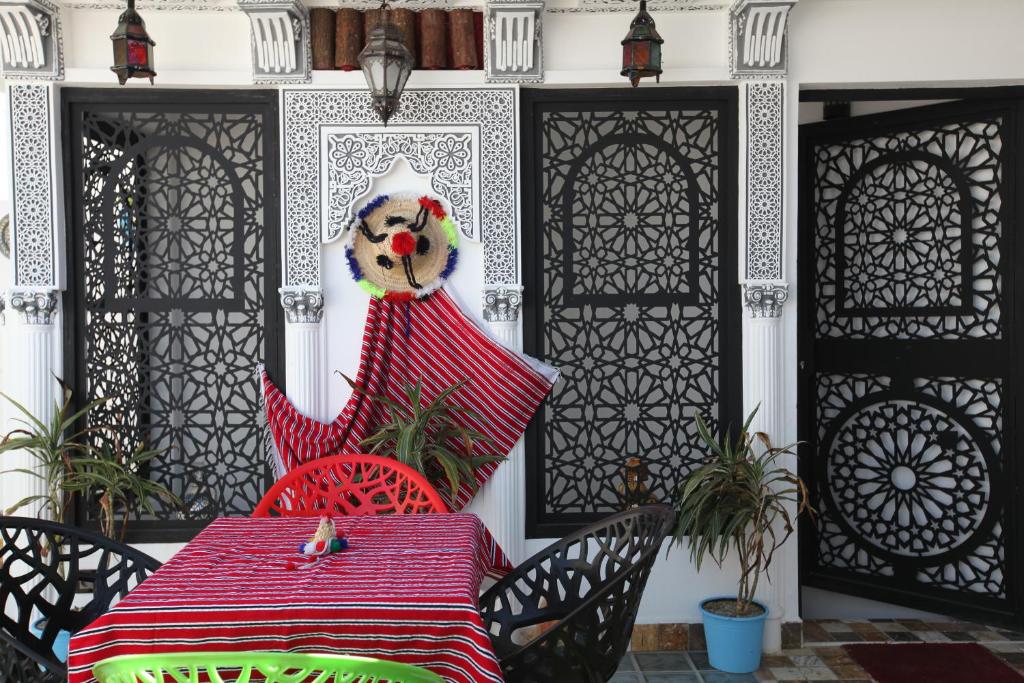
column 243, row 667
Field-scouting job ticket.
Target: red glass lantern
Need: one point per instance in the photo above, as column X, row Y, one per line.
column 133, row 48
column 641, row 48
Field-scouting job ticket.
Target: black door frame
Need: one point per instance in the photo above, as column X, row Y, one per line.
column 971, row 99
column 725, row 100
column 140, row 531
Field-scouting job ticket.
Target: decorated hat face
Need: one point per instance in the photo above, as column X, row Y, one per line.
column 402, row 247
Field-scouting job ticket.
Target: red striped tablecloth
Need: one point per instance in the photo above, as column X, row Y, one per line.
column 405, row 590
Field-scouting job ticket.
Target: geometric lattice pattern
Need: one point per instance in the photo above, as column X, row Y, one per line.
column 630, row 247
column 32, row 163
column 64, row 575
column 911, row 377
column 907, row 233
column 910, row 481
column 170, row 235
column 575, row 603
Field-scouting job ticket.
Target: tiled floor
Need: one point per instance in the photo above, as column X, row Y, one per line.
column 822, row 658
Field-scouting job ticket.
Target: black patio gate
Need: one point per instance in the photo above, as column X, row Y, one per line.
column 171, row 300
column 629, row 265
column 909, row 318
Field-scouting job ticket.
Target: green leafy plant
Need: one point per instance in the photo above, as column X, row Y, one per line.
column 116, row 478
column 90, row 462
column 421, row 436
column 54, row 445
column 741, row 501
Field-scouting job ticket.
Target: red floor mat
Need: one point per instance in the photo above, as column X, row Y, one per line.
column 932, row 663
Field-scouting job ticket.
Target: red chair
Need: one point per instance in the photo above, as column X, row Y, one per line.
column 350, row 485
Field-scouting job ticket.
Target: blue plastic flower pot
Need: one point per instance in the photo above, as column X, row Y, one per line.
column 60, row 643
column 734, row 643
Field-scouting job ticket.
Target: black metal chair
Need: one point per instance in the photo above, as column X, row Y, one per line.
column 566, row 614
column 63, row 575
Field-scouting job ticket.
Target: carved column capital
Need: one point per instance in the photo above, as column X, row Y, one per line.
column 502, row 303
column 758, row 40
column 302, row 305
column 765, row 299
column 36, row 306
column 513, row 51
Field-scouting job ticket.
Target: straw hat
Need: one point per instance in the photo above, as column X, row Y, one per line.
column 402, row 247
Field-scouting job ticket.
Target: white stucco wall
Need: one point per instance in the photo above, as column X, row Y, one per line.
column 834, row 43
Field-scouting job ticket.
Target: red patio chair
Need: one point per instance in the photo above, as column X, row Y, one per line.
column 351, row 484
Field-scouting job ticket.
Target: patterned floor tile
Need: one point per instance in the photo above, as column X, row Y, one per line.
column 721, row 677
column 672, row 677
column 663, row 661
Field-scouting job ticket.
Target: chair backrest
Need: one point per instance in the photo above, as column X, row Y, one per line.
column 567, row 613
column 271, row 667
column 350, row 485
column 62, row 574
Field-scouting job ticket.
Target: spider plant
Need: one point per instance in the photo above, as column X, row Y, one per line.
column 117, row 478
column 740, row 500
column 88, row 461
column 54, row 445
column 429, row 437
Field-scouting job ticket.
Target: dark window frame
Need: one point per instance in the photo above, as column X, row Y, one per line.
column 164, row 531
column 724, row 99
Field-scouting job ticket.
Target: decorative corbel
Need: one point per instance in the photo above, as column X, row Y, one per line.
column 765, row 299
column 513, row 49
column 36, row 305
column 31, row 46
column 279, row 33
column 302, row 305
column 758, row 44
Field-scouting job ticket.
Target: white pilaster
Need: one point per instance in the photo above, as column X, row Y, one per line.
column 763, row 377
column 305, row 376
column 502, row 500
column 31, row 375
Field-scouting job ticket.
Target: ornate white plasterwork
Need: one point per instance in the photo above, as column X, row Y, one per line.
column 764, row 186
column 491, row 109
column 33, row 193
column 279, row 36
column 449, row 156
column 514, row 41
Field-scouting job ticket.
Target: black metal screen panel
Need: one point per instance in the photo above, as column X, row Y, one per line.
column 907, row 381
column 629, row 225
column 173, row 215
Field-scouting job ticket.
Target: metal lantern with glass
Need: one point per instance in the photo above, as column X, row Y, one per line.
column 133, row 48
column 386, row 64
column 641, row 48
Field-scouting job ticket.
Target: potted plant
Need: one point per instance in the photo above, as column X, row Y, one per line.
column 739, row 501
column 69, row 462
column 429, row 437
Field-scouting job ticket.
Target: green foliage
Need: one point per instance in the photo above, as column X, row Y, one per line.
column 117, row 478
column 53, row 445
column 739, row 500
column 421, row 436
column 88, row 462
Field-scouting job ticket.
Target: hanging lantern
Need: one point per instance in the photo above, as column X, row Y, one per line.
column 641, row 48
column 386, row 64
column 133, row 48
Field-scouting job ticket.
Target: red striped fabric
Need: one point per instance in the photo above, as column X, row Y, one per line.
column 405, row 590
column 430, row 340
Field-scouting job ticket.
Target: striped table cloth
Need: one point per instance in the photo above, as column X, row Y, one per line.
column 431, row 341
column 405, row 590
